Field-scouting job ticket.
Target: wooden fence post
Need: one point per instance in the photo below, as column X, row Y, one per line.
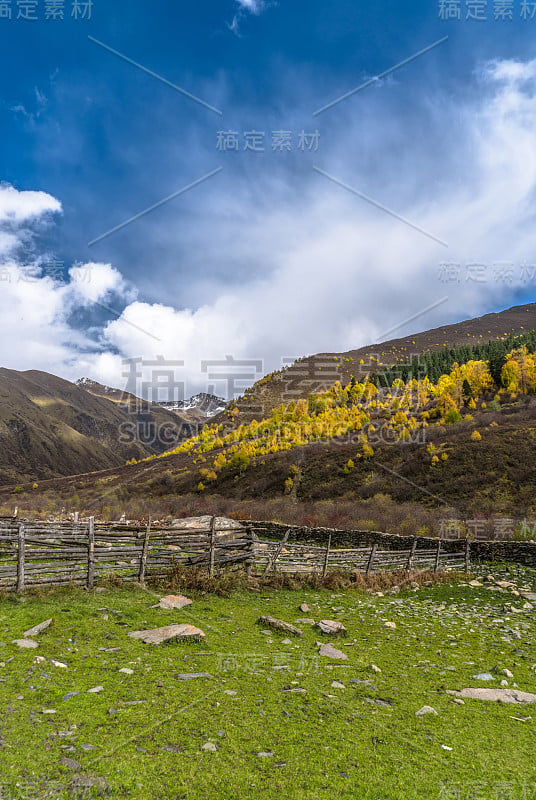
column 91, row 554
column 143, row 556
column 438, row 555
column 20, row 559
column 412, row 553
column 326, row 559
column 282, row 543
column 212, row 546
column 75, row 518
column 251, row 560
column 467, row 555
column 16, row 512
column 371, row 558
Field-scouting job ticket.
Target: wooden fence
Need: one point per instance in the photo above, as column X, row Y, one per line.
column 283, row 556
column 40, row 553
column 34, row 554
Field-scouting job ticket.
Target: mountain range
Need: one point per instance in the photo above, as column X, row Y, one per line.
column 50, row 427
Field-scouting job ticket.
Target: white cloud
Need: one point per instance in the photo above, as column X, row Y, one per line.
column 19, row 207
column 336, row 272
column 36, row 309
column 255, row 7
column 92, row 283
column 512, row 72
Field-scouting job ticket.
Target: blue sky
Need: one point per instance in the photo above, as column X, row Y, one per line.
column 269, row 258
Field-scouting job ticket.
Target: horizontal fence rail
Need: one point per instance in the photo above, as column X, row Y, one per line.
column 36, row 554
column 40, row 554
column 285, row 556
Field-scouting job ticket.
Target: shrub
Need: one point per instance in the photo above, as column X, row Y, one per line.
column 452, row 417
column 475, row 436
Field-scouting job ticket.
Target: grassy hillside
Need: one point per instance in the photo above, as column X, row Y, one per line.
column 319, row 372
column 403, row 486
column 49, row 426
column 400, row 454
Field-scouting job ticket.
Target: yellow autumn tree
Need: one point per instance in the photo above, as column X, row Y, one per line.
column 478, row 376
column 519, row 371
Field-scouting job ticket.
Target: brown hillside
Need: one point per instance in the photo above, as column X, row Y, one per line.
column 49, row 426
column 319, row 372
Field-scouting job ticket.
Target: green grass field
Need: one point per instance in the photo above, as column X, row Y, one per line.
column 143, row 734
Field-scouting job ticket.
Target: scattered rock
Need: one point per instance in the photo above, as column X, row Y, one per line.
column 377, row 701
column 70, row 695
column 172, row 601
column 58, row 664
column 171, row 748
column 304, row 608
column 37, row 629
column 337, row 685
column 126, row 671
column 425, row 710
column 484, row 676
column 70, row 763
column 304, row 621
column 265, row 754
column 90, row 786
column 96, row 690
column 507, row 673
column 332, row 628
column 26, row 644
column 391, row 625
column 374, row 668
column 49, row 711
column 191, row 676
column 168, row 633
column 331, row 652
column 279, row 625
column 475, row 583
column 501, row 695
column 230, row 692
column 39, row 660
column 209, row 747
column 459, row 701
column 504, row 682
